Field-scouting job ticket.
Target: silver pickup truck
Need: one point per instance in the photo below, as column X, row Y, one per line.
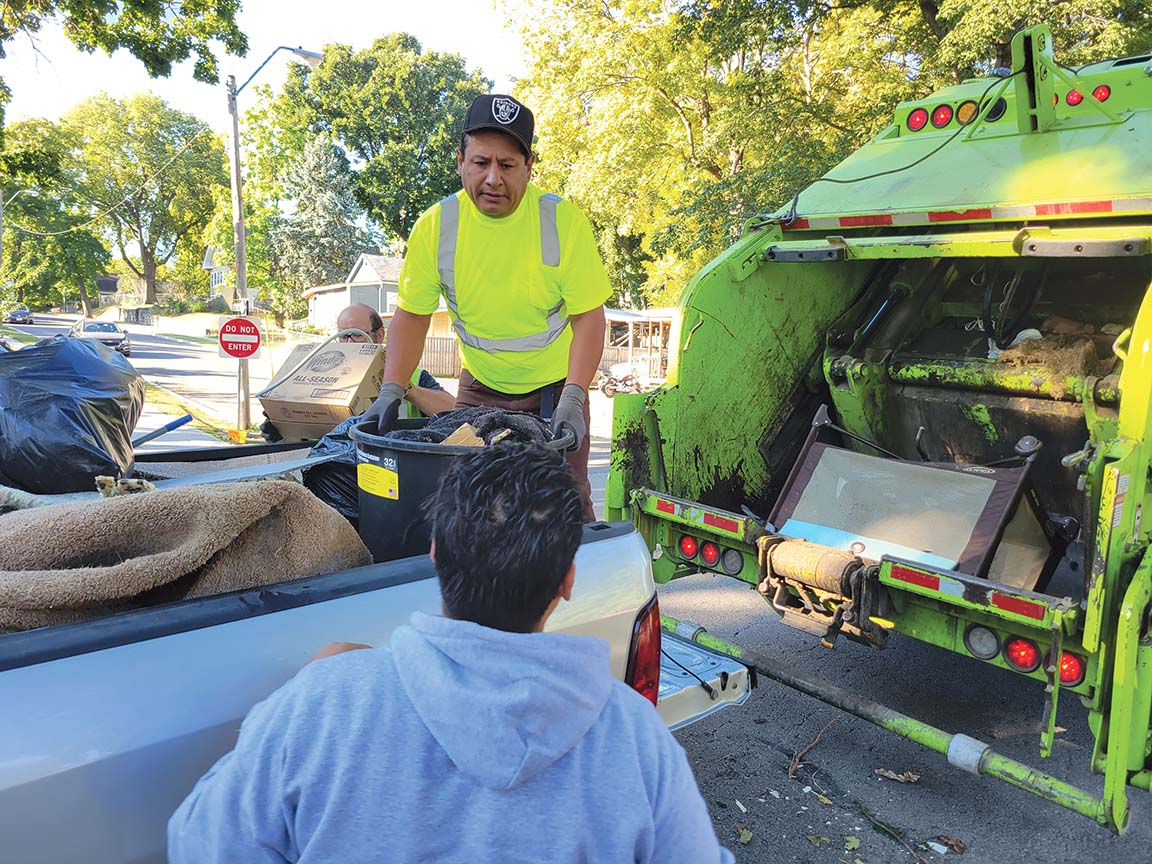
column 105, row 725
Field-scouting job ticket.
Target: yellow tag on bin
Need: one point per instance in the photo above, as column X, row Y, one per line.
column 378, row 481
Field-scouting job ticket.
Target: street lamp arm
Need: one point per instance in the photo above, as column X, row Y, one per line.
column 310, row 57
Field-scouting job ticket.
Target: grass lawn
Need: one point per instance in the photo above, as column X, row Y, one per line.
column 18, row 336
column 170, row 403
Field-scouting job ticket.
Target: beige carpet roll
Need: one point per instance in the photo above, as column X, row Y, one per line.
column 78, row 561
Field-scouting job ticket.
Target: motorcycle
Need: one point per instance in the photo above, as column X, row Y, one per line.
column 616, row 381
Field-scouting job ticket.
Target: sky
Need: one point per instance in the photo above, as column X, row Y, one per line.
column 49, row 78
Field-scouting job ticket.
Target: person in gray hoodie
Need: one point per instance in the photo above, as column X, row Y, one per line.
column 474, row 737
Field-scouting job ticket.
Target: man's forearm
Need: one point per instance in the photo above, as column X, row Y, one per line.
column 431, row 401
column 405, row 346
column 587, row 347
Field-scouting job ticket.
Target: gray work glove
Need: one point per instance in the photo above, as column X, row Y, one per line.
column 386, row 408
column 569, row 414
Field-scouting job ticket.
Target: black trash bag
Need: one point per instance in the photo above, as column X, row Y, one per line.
column 334, row 482
column 67, row 411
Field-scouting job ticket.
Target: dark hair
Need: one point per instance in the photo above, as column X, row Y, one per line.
column 375, row 320
column 507, row 523
column 520, row 146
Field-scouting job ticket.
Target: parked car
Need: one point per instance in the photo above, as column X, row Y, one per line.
column 20, row 315
column 103, row 331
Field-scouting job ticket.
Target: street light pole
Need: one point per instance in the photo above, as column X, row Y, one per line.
column 243, row 401
column 312, row 59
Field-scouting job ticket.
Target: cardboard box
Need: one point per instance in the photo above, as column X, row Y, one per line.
column 341, row 381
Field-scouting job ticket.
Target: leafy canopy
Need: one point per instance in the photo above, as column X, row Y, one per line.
column 397, row 111
column 157, row 32
column 151, row 172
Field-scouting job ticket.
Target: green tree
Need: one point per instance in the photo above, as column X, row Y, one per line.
column 317, row 243
column 151, row 172
column 158, row 34
column 397, row 110
column 49, row 250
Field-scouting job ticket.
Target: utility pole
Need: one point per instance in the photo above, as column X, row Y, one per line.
column 243, row 420
column 313, row 59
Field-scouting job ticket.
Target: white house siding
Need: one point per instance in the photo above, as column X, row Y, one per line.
column 326, row 306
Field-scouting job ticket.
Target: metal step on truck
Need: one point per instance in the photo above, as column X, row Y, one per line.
column 916, row 402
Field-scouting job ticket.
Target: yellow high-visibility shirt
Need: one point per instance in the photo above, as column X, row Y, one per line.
column 504, row 289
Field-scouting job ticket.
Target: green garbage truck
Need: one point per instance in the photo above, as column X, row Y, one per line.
column 916, row 401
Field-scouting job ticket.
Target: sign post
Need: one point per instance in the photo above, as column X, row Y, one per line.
column 240, row 338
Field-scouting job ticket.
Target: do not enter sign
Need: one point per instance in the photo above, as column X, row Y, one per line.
column 239, row 338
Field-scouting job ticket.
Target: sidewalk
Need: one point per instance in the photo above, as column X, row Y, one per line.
column 184, row 438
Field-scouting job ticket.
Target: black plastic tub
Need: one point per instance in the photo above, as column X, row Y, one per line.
column 395, row 478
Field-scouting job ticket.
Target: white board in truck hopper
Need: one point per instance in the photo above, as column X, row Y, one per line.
column 339, row 382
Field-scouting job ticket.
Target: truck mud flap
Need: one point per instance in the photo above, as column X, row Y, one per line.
column 696, row 682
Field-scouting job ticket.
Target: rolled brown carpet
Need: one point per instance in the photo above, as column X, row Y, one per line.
column 73, row 562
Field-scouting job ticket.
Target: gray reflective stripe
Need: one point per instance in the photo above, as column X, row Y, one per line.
column 446, row 253
column 446, row 265
column 549, row 233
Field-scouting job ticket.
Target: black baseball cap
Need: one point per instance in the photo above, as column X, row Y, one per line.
column 504, row 114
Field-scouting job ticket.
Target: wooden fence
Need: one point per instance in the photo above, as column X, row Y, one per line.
column 441, row 357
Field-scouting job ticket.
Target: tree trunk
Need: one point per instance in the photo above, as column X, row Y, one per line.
column 148, row 265
column 79, row 277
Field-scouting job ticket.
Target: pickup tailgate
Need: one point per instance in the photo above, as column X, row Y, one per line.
column 696, row 682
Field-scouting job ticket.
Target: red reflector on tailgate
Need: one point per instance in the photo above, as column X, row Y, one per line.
column 1027, row 608
column 915, row 577
column 722, row 522
column 665, row 506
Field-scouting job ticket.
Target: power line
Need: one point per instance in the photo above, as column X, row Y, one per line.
column 191, row 139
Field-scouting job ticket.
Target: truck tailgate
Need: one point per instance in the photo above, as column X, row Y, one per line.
column 685, row 668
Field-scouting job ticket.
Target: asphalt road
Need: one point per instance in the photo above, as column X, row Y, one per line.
column 743, row 754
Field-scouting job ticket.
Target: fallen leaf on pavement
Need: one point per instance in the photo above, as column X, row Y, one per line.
column 824, row 799
column 851, row 843
column 745, row 837
column 956, row 845
column 817, row 840
column 906, row 777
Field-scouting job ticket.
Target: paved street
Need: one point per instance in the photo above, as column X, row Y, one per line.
column 743, row 754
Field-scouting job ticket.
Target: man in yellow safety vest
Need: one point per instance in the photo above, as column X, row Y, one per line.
column 522, row 279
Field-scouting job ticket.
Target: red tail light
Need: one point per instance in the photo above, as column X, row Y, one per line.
column 1022, row 654
column 1071, row 670
column 710, row 554
column 918, row 119
column 688, row 546
column 1074, row 97
column 643, row 673
column 941, row 116
column 1101, row 93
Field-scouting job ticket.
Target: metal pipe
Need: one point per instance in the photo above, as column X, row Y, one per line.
column 1024, row 380
column 163, row 430
column 962, row 751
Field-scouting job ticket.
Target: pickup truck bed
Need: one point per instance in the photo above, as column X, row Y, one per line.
column 107, row 724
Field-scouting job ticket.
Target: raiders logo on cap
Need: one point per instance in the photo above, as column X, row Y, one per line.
column 505, row 110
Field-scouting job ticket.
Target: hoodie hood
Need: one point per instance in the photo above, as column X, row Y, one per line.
column 504, row 706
